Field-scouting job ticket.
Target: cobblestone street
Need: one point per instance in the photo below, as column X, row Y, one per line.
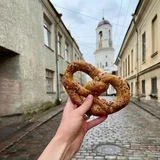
column 131, row 133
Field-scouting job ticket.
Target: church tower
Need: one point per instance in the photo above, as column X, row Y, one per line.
column 104, row 53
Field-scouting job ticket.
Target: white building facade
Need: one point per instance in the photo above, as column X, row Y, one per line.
column 104, row 54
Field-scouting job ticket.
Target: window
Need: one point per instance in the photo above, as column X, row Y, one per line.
column 49, row 81
column 110, row 41
column 47, row 32
column 66, row 52
column 61, row 86
column 109, row 34
column 125, row 67
column 132, row 60
column 131, row 88
column 106, row 64
column 128, row 64
column 59, row 44
column 100, row 35
column 100, row 39
column 144, row 47
column 143, row 87
column 154, row 85
column 154, row 34
column 120, row 71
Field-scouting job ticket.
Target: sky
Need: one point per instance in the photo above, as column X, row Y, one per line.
column 81, row 18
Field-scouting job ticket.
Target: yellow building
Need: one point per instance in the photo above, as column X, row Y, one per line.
column 138, row 60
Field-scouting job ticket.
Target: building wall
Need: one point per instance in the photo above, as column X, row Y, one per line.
column 25, row 58
column 104, row 59
column 142, row 68
column 106, row 36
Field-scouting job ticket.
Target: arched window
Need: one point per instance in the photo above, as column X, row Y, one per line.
column 100, row 39
column 110, row 41
column 109, row 34
column 100, row 35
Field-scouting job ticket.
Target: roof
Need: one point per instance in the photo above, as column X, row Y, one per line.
column 103, row 22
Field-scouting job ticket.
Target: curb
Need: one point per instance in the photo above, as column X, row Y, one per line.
column 21, row 134
column 145, row 109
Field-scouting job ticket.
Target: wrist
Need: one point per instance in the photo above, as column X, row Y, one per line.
column 56, row 149
column 68, row 150
column 64, row 137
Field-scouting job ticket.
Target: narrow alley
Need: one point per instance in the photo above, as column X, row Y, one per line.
column 131, row 133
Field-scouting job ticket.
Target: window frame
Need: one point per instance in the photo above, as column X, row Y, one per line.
column 47, row 31
column 128, row 64
column 100, row 35
column 154, row 34
column 143, row 47
column 125, row 67
column 59, row 44
column 49, row 79
column 154, row 89
column 66, row 51
column 143, row 87
column 132, row 60
column 131, row 89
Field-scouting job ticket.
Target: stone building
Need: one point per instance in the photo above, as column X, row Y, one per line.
column 104, row 53
column 139, row 59
column 35, row 49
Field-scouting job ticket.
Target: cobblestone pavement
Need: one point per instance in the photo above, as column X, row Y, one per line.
column 131, row 133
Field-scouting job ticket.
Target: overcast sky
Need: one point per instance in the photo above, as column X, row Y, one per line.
column 81, row 17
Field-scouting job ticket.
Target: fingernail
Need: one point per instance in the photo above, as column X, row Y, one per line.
column 89, row 96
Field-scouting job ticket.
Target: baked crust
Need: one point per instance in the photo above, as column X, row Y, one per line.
column 99, row 84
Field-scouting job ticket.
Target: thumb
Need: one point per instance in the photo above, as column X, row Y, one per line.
column 86, row 105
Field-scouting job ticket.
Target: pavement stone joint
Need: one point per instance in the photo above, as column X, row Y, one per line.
column 130, row 134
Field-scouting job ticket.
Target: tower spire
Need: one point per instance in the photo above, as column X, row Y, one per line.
column 103, row 14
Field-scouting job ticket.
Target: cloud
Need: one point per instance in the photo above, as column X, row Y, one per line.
column 75, row 18
column 74, row 11
column 83, row 27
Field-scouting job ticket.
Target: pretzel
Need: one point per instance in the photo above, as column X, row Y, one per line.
column 99, row 84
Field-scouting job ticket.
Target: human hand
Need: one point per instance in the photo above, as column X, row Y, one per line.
column 72, row 130
column 73, row 126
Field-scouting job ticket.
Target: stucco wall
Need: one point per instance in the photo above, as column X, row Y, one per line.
column 24, row 81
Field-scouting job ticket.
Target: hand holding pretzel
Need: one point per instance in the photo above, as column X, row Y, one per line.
column 98, row 85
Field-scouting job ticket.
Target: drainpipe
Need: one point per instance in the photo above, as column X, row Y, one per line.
column 58, row 100
column 137, row 76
